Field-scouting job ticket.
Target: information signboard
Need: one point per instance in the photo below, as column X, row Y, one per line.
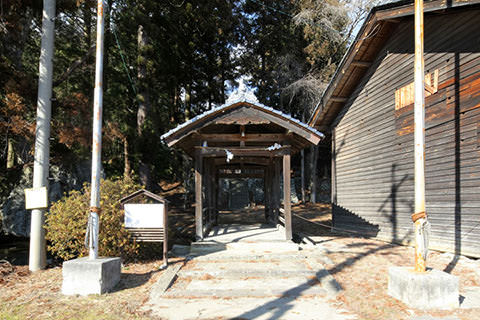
column 144, row 215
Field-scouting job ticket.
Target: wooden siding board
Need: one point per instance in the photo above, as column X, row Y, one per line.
column 374, row 162
column 404, row 61
column 370, row 110
column 406, row 33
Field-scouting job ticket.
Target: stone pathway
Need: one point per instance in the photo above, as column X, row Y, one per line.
column 250, row 273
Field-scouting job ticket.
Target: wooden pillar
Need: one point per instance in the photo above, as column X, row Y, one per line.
column 267, row 192
column 216, row 191
column 206, row 210
column 198, row 197
column 271, row 191
column 211, row 193
column 165, row 234
column 276, row 189
column 287, row 197
column 313, row 174
column 207, row 194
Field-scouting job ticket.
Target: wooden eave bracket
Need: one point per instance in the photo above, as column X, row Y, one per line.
column 338, row 99
column 361, row 64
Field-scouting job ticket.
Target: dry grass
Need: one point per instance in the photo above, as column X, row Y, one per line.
column 26, row 295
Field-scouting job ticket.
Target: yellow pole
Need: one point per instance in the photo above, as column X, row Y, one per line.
column 420, row 216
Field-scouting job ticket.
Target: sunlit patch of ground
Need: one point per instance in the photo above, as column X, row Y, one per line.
column 359, row 264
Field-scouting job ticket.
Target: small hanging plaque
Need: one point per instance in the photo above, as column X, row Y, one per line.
column 36, row 198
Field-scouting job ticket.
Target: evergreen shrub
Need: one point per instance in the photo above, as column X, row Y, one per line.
column 67, row 220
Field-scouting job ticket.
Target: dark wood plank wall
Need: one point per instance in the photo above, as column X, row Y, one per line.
column 373, row 145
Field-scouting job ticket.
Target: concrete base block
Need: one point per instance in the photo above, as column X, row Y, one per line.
column 433, row 289
column 84, row 276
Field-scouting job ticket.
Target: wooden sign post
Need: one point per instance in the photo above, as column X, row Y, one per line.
column 147, row 222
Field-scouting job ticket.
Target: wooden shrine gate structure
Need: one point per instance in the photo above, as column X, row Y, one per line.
column 242, row 139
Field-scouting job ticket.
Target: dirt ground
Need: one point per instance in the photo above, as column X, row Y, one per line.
column 360, row 265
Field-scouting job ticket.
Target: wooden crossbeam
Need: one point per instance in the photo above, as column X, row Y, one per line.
column 236, row 137
column 241, row 167
column 242, row 151
column 240, row 175
column 242, row 160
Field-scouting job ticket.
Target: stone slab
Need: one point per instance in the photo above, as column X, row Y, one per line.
column 470, row 298
column 259, row 265
column 245, row 233
column 243, row 248
column 272, row 246
column 244, row 256
column 165, row 280
column 263, row 284
column 85, row 276
column 246, row 273
column 179, row 250
column 433, row 289
column 291, row 308
column 327, row 281
column 434, row 318
column 299, row 291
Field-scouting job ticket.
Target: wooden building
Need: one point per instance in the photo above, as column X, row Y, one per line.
column 242, row 139
column 367, row 110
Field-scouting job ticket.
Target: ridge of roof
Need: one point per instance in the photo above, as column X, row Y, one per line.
column 240, row 100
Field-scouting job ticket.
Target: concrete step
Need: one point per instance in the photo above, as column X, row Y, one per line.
column 243, row 248
column 258, row 308
column 246, row 256
column 206, row 247
column 285, row 285
column 240, row 274
column 253, row 265
column 247, row 293
column 246, row 286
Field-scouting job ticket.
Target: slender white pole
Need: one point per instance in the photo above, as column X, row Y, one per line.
column 37, row 254
column 97, row 137
column 419, row 217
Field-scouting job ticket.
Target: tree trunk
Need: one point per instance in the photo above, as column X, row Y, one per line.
column 144, row 104
column 10, row 153
column 143, row 107
column 188, row 102
column 87, row 29
column 127, row 167
column 176, row 104
column 89, row 46
column 186, row 180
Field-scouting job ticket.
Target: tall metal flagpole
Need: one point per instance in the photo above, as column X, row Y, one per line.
column 419, row 217
column 37, row 253
column 93, row 225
